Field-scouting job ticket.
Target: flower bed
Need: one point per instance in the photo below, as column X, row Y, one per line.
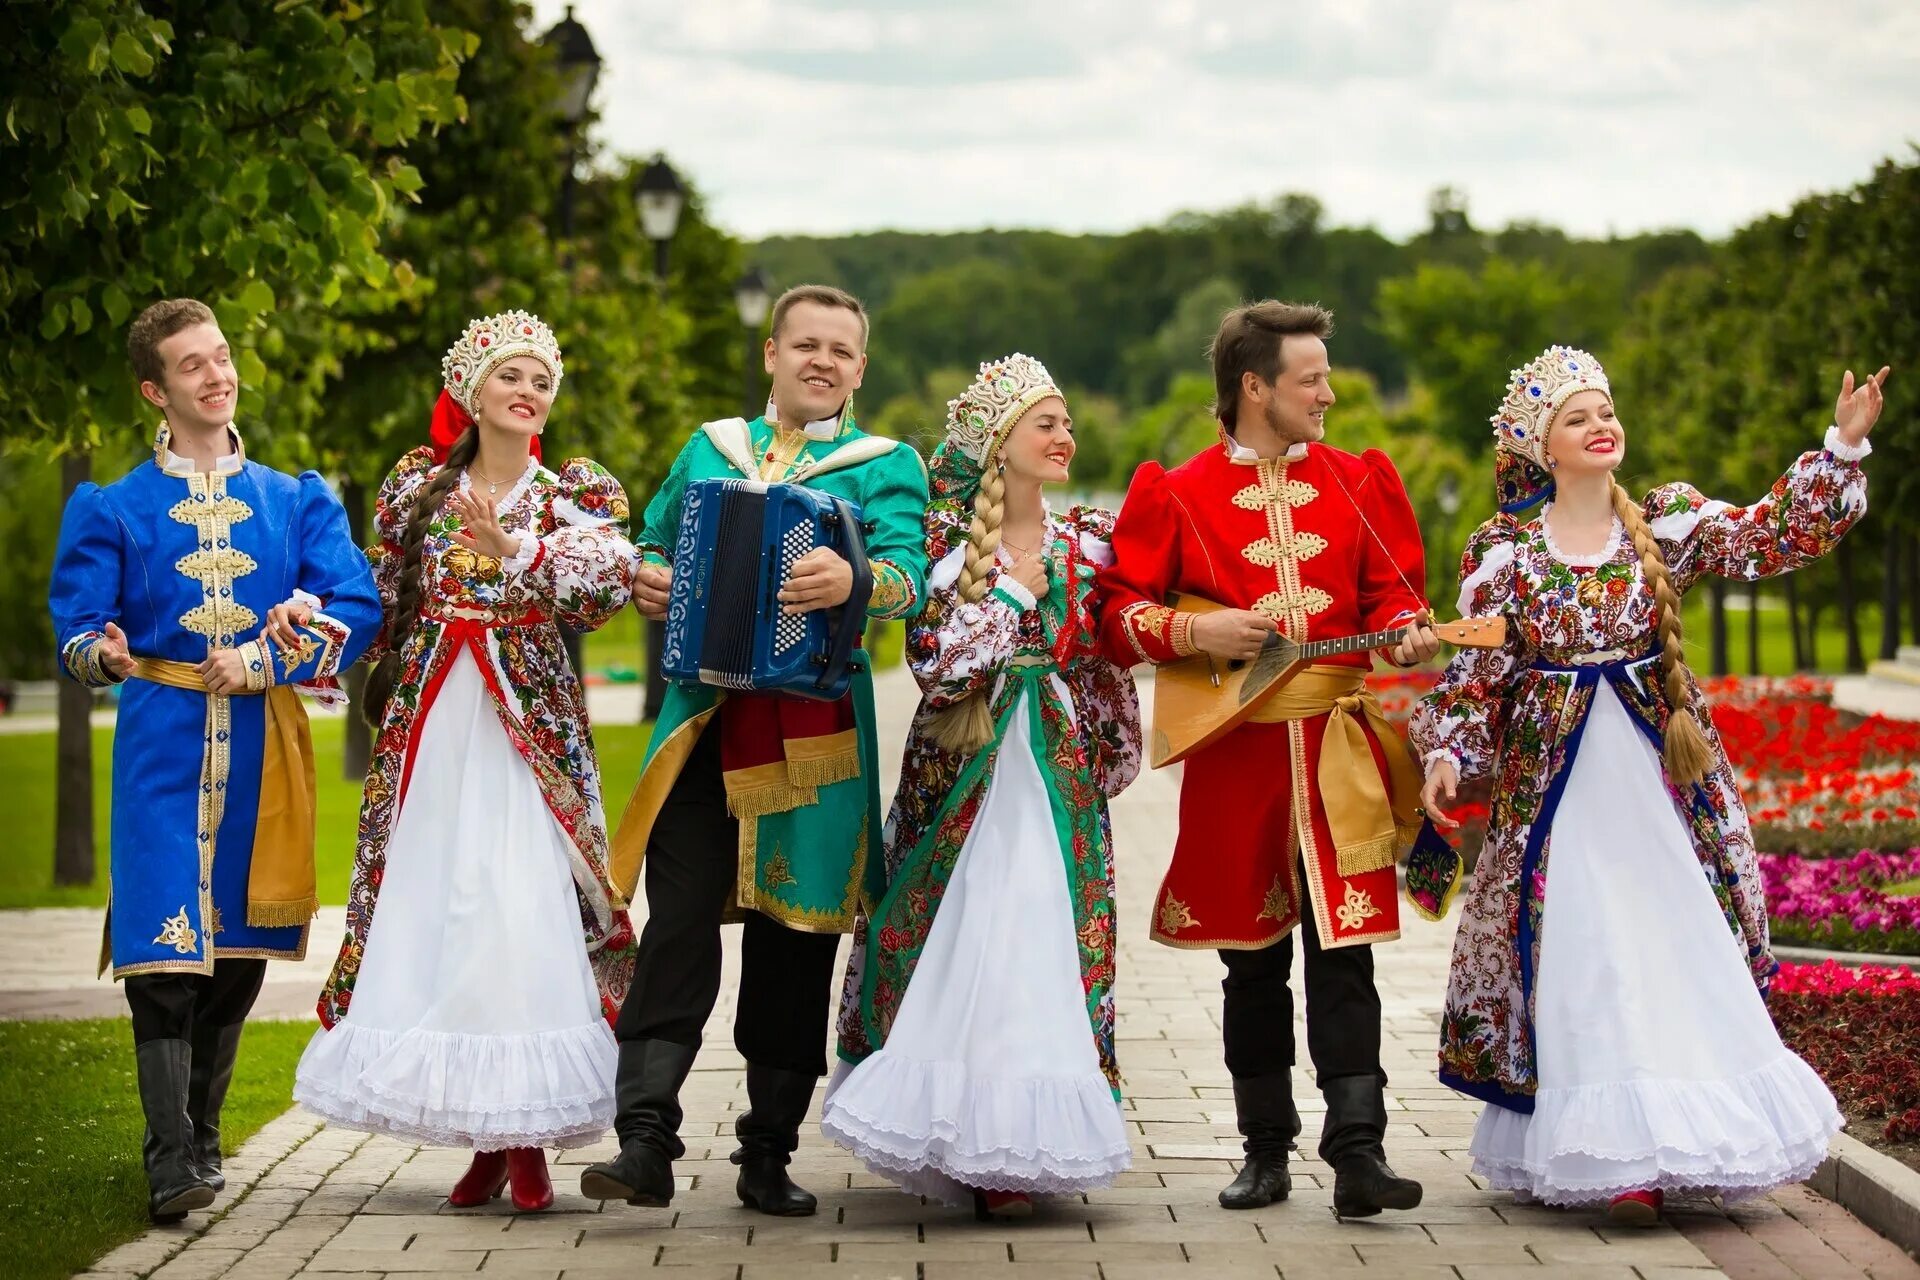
column 1818, row 780
column 1862, row 903
column 1860, row 1029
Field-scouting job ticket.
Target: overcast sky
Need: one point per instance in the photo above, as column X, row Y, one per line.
column 850, row 115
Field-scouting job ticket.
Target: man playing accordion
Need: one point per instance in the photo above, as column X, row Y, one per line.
column 756, row 807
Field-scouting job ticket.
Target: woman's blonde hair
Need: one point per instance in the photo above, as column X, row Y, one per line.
column 965, row 726
column 1688, row 757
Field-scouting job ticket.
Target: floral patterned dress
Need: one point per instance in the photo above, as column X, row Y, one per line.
column 1563, row 1012
column 961, row 1066
column 476, row 1012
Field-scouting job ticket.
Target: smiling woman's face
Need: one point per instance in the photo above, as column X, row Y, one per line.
column 517, row 397
column 1040, row 446
column 1586, row 436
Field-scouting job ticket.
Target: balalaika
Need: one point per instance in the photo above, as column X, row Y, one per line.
column 738, row 540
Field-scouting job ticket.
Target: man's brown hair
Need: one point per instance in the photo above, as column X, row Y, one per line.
column 1249, row 342
column 154, row 326
column 824, row 295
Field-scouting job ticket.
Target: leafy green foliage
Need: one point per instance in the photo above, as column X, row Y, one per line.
column 249, row 155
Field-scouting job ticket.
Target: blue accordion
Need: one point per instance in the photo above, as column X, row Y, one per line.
column 738, row 540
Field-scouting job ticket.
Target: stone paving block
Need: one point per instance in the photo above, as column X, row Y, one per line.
column 1132, row 1270
column 259, row 1266
column 393, row 1261
column 1459, row 1253
column 1218, row 1227
column 1535, row 1271
column 1010, row 1271
column 676, row 1254
column 1165, row 1253
column 923, row 1251
column 831, row 1271
column 1653, row 1248
column 199, row 1263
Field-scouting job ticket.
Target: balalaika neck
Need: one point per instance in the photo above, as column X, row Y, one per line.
column 1350, row 644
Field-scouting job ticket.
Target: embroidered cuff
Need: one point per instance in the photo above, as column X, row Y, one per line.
column 1180, row 635
column 892, row 591
column 1013, row 593
column 82, row 662
column 1840, row 449
column 259, row 664
column 1448, row 754
column 525, row 558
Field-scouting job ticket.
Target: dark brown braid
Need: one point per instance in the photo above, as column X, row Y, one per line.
column 413, row 544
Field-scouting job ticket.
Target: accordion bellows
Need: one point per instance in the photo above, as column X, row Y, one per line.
column 738, row 540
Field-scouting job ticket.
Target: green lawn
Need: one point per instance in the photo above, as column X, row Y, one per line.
column 27, row 762
column 71, row 1183
column 1776, row 647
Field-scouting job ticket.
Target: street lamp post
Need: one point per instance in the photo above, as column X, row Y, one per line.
column 660, row 197
column 579, row 65
column 753, row 295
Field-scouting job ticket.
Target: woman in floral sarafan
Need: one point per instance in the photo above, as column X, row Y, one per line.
column 976, row 1034
column 1610, row 1007
column 472, row 1009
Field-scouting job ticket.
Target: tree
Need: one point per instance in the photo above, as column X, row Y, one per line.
column 246, row 156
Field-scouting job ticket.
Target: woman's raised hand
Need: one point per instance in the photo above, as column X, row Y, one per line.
column 1858, row 407
column 482, row 524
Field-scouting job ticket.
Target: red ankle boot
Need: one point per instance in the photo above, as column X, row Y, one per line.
column 990, row 1205
column 532, row 1190
column 1636, row 1208
column 482, row 1181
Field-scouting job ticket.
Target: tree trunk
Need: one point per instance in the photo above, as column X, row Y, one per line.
column 1813, row 637
column 1890, row 596
column 1753, row 628
column 1913, row 584
column 73, row 768
column 1717, row 623
column 1850, row 608
column 1794, row 634
column 358, row 751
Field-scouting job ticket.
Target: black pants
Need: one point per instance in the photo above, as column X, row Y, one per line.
column 786, row 975
column 177, row 1006
column 1343, row 1008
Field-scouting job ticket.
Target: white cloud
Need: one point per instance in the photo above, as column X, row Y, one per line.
column 841, row 115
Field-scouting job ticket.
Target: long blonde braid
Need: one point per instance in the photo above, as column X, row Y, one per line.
column 965, row 726
column 1688, row 757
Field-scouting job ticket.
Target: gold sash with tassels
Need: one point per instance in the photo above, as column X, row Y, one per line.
column 1369, row 826
column 282, row 888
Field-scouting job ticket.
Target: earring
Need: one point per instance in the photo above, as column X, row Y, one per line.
column 1552, row 465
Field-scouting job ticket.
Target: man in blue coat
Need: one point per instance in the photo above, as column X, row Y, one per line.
column 163, row 580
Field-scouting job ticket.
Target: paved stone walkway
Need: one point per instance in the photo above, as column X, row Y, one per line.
column 304, row 1199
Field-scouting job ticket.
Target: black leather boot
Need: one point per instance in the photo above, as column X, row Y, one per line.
column 1263, row 1106
column 1353, row 1142
column 647, row 1092
column 214, row 1051
column 174, row 1187
column 769, row 1131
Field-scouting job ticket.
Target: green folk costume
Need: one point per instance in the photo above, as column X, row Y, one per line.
column 806, row 842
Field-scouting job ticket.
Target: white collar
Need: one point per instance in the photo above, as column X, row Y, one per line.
column 822, row 430
column 174, row 465
column 1237, row 452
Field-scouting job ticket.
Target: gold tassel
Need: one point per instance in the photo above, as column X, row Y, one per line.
column 281, row 915
column 824, row 771
column 779, row 797
column 1369, row 855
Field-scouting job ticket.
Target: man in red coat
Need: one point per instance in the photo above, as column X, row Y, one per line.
column 1297, row 815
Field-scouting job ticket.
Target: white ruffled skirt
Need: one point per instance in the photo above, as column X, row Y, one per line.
column 475, row 1019
column 1659, row 1067
column 989, row 1078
